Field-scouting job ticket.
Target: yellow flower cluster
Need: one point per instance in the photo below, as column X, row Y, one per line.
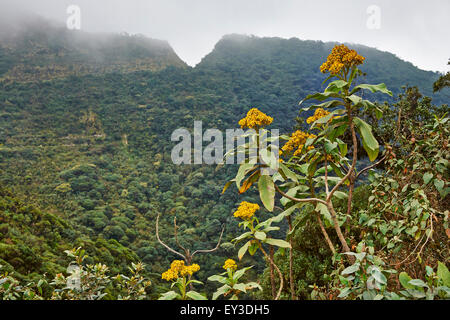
column 177, row 268
column 296, row 142
column 246, row 210
column 319, row 113
column 341, row 57
column 255, row 119
column 230, row 264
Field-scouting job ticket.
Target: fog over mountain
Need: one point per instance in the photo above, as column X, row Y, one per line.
column 417, row 33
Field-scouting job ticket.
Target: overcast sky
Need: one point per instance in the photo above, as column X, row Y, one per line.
column 416, row 31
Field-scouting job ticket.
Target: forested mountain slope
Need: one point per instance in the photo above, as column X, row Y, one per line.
column 85, row 131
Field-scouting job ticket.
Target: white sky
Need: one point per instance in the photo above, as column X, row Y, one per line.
column 416, row 31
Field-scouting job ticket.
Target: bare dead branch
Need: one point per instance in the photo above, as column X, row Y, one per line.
column 176, row 235
column 213, row 249
column 165, row 245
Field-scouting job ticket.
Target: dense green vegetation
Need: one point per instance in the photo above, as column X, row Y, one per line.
column 85, row 147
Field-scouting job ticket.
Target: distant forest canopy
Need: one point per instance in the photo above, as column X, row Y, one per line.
column 85, row 125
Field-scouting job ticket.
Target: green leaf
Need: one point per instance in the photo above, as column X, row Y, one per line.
column 320, row 96
column 195, row 295
column 267, row 191
column 260, row 235
column 418, row 283
column 370, row 144
column 439, row 184
column 336, row 86
column 242, row 236
column 340, row 195
column 373, row 88
column 240, row 287
column 330, row 146
column 349, row 270
column 229, row 183
column 278, row 242
column 217, row 278
column 404, row 279
column 289, row 174
column 220, row 291
column 427, row 177
column 320, row 207
column 344, row 293
column 243, row 250
column 443, row 274
column 239, row 273
column 253, row 248
column 244, row 168
column 171, row 295
column 269, row 158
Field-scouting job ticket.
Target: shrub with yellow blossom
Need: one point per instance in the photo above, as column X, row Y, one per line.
column 255, row 119
column 311, row 182
column 231, row 286
column 230, row 264
column 296, row 142
column 340, row 59
column 180, row 274
column 178, row 268
column 246, row 210
column 318, row 114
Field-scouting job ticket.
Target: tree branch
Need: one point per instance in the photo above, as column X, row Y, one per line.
column 214, row 249
column 297, row 199
column 165, row 245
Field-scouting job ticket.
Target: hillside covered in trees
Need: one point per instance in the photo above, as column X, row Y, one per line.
column 85, row 127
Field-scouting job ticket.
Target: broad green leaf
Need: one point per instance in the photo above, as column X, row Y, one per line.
column 288, row 173
column 269, row 158
column 220, row 291
column 252, row 285
column 427, row 177
column 240, row 287
column 320, row 96
column 239, row 273
column 217, row 278
column 242, row 236
column 267, row 191
column 278, row 243
column 243, row 250
column 340, row 195
column 195, row 295
column 439, row 184
column 171, row 295
column 370, row 144
column 443, row 274
column 326, row 105
column 349, row 270
column 260, row 235
column 373, row 88
column 404, row 279
column 244, row 168
column 336, row 86
column 418, row 283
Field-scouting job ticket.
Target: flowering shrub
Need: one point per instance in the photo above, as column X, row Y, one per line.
column 180, row 275
column 231, row 285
